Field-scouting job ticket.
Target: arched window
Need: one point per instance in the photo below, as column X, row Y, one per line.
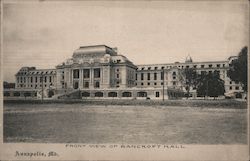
column 112, row 94
column 126, row 94
column 85, row 94
column 98, row 94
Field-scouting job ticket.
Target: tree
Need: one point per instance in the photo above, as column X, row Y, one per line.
column 210, row 85
column 238, row 68
column 190, row 80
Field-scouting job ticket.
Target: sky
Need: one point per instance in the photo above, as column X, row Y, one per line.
column 46, row 33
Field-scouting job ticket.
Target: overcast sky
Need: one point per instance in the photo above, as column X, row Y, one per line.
column 44, row 34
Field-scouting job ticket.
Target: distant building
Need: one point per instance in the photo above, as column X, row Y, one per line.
column 100, row 72
column 32, row 78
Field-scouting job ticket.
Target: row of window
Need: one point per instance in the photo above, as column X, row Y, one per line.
column 149, row 76
column 37, row 72
column 114, row 94
column 30, row 79
column 31, row 85
column 85, row 84
column 155, row 76
column 155, row 83
column 86, row 73
column 182, row 66
column 236, row 88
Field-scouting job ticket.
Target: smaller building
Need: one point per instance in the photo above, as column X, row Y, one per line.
column 32, row 78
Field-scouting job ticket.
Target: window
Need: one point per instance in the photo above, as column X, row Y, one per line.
column 6, row 93
column 156, row 68
column 155, row 76
column 41, row 79
column 16, row 94
column 202, row 66
column 187, row 66
column 148, row 84
column 86, row 84
column 218, row 65
column 142, row 68
column 149, row 68
column 117, row 75
column 76, row 73
column 50, row 79
column 162, row 75
column 97, row 84
column 161, row 83
column 85, row 94
column 230, row 82
column 142, row 76
column 155, row 83
column 76, row 85
column 112, row 94
column 141, row 94
column 223, row 65
column 148, row 76
column 126, row 94
column 162, row 67
column 195, row 66
column 203, row 73
column 142, row 84
column 237, row 87
column 98, row 94
column 31, row 79
column 210, row 65
column 97, row 73
column 45, row 79
column 157, row 94
column 86, row 73
column 230, row 87
column 174, row 83
column 136, row 76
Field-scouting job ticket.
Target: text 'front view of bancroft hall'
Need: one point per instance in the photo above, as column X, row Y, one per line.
column 99, row 72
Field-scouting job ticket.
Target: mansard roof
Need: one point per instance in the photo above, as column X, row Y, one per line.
column 94, row 51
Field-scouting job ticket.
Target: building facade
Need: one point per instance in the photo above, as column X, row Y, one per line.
column 100, row 72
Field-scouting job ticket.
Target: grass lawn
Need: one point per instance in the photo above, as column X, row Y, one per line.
column 85, row 123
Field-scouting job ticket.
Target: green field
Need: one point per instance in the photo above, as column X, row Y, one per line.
column 85, row 123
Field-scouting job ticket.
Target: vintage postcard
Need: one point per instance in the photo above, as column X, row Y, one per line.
column 124, row 80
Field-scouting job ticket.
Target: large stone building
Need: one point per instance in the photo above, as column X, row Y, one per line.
column 99, row 71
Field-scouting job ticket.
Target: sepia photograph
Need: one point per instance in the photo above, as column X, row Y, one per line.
column 136, row 74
